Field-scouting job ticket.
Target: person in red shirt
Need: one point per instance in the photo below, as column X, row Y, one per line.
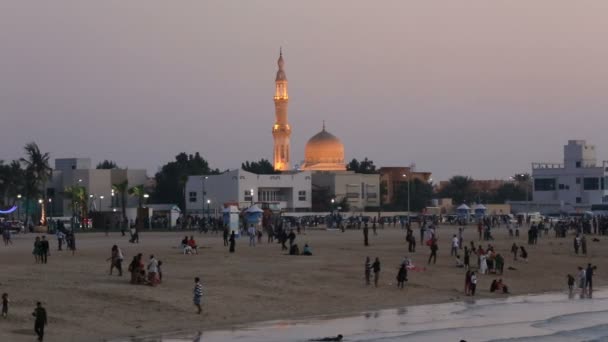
column 192, row 244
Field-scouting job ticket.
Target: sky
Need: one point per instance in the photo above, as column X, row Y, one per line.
column 478, row 88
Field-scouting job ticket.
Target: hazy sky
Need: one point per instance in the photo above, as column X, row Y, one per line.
column 481, row 88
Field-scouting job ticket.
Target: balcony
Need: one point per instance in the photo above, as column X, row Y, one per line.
column 536, row 166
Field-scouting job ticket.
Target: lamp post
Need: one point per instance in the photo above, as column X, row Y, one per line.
column 251, row 196
column 51, row 208
column 41, row 202
column 203, row 181
column 19, row 207
column 100, row 198
column 208, row 208
column 408, row 196
column 333, row 201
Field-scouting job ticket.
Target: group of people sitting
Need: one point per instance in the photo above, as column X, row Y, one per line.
column 152, row 277
column 295, row 250
column 498, row 286
column 189, row 246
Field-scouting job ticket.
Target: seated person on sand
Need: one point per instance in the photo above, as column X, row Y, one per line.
column 192, row 244
column 459, row 262
column 306, row 250
column 498, row 286
column 329, row 339
column 294, row 250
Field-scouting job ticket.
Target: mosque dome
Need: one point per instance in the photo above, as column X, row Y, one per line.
column 325, row 152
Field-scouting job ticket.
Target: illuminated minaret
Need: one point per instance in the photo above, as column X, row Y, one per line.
column 281, row 130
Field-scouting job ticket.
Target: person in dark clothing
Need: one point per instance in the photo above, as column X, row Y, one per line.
column 376, row 268
column 589, row 277
column 434, row 249
column 232, row 241
column 368, row 270
column 291, row 237
column 411, row 241
column 226, row 234
column 40, row 315
column 44, row 249
column 514, row 250
column 467, row 258
column 401, row 276
column 365, row 236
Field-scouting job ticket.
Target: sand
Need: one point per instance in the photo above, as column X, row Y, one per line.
column 85, row 303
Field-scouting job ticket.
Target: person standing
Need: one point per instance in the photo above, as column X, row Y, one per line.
column 434, row 249
column 5, row 302
column 467, row 283
column 455, row 244
column 116, row 260
column 584, row 245
column 60, row 238
column 40, row 321
column 376, row 268
column 44, row 249
column 153, row 271
column 473, row 284
column 589, row 278
column 198, row 293
column 401, row 276
column 292, row 238
column 368, row 271
column 226, row 234
column 365, row 236
column 251, row 234
column 232, row 241
column 467, row 258
column 514, row 250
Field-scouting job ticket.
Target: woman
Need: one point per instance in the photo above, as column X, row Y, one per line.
column 401, row 276
column 152, row 271
column 232, row 241
column 467, row 283
column 37, row 250
column 483, row 266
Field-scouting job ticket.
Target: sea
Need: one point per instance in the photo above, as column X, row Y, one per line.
column 549, row 317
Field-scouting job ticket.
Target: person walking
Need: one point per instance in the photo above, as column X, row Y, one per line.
column 5, row 302
column 251, row 234
column 514, row 250
column 232, row 241
column 116, row 260
column 401, row 276
column 44, row 249
column 589, row 279
column 365, row 236
column 467, row 283
column 376, row 268
column 40, row 320
column 368, row 271
column 226, row 233
column 434, row 249
column 198, row 294
column 473, row 284
column 467, row 258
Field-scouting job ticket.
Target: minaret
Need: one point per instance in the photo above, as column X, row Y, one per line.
column 281, row 130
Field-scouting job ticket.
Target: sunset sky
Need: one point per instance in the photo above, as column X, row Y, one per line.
column 480, row 88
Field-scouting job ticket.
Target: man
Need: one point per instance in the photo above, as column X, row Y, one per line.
column 292, row 237
column 40, row 314
column 589, row 278
column 44, row 249
column 365, row 236
column 434, row 249
column 198, row 294
column 455, row 244
column 251, row 232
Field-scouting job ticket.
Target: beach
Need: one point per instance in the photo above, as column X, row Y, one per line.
column 262, row 283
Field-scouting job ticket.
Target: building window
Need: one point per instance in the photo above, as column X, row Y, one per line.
column 605, row 199
column 301, row 195
column 192, row 196
column 591, row 183
column 248, row 196
column 544, row 184
column 578, row 180
column 578, row 164
column 579, row 200
column 562, row 186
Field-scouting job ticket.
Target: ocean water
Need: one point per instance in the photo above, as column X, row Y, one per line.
column 539, row 318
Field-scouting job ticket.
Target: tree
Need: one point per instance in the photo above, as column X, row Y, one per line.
column 107, row 165
column 39, row 172
column 262, row 167
column 79, row 201
column 509, row 192
column 459, row 188
column 122, row 189
column 170, row 180
column 365, row 166
column 139, row 192
column 420, row 195
column 11, row 182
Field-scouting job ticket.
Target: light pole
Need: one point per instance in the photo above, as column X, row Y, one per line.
column 408, row 196
column 19, row 207
column 333, row 218
column 208, row 208
column 203, row 181
column 51, row 208
column 252, row 197
column 41, row 202
column 100, row 198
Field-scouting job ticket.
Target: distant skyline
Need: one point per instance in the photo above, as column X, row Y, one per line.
column 478, row 88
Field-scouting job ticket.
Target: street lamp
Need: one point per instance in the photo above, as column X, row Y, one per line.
column 208, row 208
column 251, row 196
column 203, row 181
column 100, row 198
column 51, row 211
column 408, row 196
column 19, row 208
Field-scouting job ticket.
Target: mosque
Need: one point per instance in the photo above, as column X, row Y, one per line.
column 323, row 152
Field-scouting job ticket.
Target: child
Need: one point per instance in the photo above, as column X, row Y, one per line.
column 570, row 283
column 5, row 302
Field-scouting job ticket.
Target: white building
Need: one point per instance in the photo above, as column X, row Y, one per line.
column 291, row 191
column 577, row 183
column 361, row 190
column 78, row 171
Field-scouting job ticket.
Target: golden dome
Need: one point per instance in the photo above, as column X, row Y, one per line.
column 324, row 151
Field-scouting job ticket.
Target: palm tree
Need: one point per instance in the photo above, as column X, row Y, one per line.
column 39, row 171
column 139, row 192
column 122, row 189
column 79, row 200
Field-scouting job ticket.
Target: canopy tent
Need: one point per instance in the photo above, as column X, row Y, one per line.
column 253, row 214
column 480, row 210
column 463, row 210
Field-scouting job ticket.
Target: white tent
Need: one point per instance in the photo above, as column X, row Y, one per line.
column 463, row 207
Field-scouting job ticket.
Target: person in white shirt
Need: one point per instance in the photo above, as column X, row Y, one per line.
column 153, row 271
column 252, row 234
column 473, row 285
column 455, row 244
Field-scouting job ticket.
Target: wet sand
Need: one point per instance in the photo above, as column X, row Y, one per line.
column 256, row 284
